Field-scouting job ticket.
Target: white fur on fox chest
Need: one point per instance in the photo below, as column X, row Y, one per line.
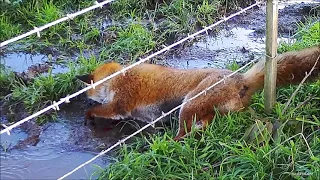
column 103, row 94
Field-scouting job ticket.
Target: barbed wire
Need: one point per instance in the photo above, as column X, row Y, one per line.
column 156, row 120
column 67, row 17
column 66, row 99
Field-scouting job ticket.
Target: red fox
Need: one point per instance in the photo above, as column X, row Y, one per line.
column 147, row 90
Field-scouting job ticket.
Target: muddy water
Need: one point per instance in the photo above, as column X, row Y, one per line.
column 62, row 146
column 22, row 62
column 242, row 38
column 235, row 45
column 50, row 151
column 295, row 2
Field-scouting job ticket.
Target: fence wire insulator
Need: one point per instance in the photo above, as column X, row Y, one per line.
column 93, row 85
column 97, row 3
column 38, row 31
column 6, row 127
column 55, row 106
column 66, row 99
column 70, row 16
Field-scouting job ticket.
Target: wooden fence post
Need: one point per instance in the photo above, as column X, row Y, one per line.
column 271, row 52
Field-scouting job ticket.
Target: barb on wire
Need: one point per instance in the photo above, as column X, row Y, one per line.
column 67, row 17
column 153, row 122
column 93, row 85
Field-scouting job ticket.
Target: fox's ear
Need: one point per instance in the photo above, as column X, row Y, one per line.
column 86, row 78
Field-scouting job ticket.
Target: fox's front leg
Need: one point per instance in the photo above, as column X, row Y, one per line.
column 107, row 111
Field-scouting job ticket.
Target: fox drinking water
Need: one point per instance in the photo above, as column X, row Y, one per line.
column 147, row 90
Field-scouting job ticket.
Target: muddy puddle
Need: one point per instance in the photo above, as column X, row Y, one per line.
column 22, row 62
column 50, row 151
column 236, row 45
column 243, row 37
column 230, row 45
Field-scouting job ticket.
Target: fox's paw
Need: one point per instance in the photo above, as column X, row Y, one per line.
column 179, row 136
column 89, row 115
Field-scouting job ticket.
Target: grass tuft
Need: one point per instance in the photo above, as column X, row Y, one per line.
column 131, row 42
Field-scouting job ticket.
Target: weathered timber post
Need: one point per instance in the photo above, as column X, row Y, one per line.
column 271, row 53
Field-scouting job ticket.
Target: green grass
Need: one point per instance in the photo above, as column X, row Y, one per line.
column 239, row 145
column 46, row 88
column 6, row 78
column 307, row 35
column 23, row 16
column 131, row 42
column 7, row 29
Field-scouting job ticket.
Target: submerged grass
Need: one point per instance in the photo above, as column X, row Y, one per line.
column 239, row 145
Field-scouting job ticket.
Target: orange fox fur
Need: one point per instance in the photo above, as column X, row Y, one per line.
column 147, row 90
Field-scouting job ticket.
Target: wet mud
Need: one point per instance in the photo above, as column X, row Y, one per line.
column 290, row 13
column 50, row 151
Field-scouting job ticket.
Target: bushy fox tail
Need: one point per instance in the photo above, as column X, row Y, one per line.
column 291, row 69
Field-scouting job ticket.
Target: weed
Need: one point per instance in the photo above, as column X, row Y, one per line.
column 180, row 15
column 233, row 66
column 131, row 42
column 123, row 8
column 6, row 79
column 207, row 12
column 7, row 29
